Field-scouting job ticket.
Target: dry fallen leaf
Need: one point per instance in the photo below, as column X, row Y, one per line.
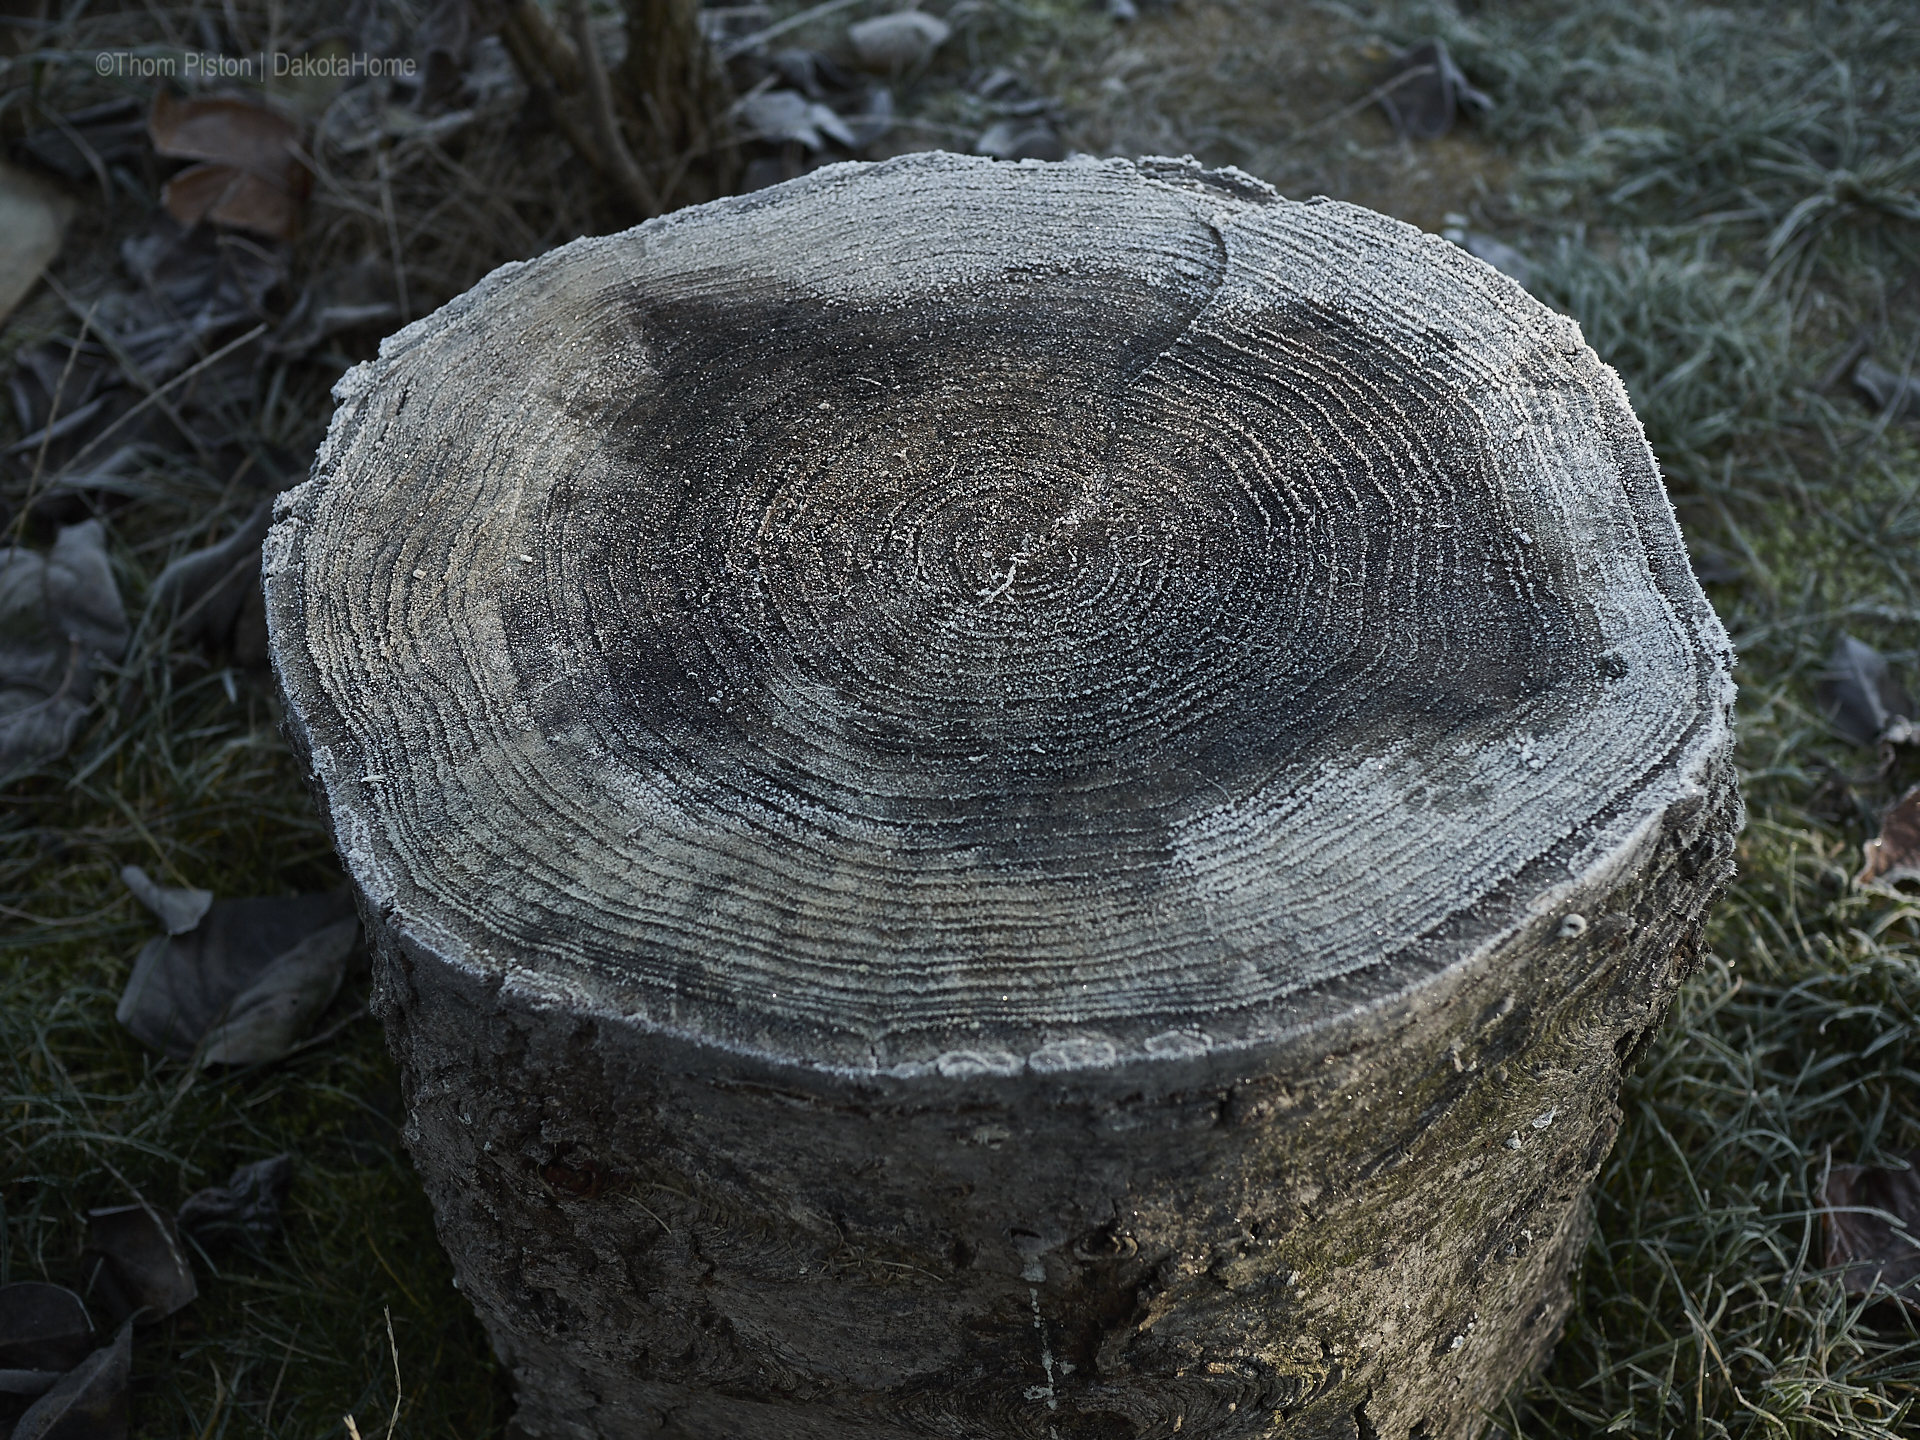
column 267, row 1019
column 244, row 983
column 250, row 176
column 224, row 130
column 788, row 115
column 1857, row 693
column 248, row 1202
column 61, row 622
column 227, row 196
column 899, row 41
column 1895, row 855
column 33, row 215
column 146, row 1277
column 42, row 1327
column 177, row 909
column 211, row 595
column 90, row 1402
column 810, row 72
column 1872, row 1214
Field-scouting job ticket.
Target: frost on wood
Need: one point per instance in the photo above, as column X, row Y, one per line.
column 973, row 782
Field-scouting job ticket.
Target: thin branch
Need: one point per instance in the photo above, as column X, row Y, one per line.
column 393, row 235
column 526, row 58
column 792, row 22
column 156, row 397
column 528, row 27
column 1373, row 96
column 46, row 433
column 620, row 166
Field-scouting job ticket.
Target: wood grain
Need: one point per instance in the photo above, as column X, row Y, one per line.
column 1075, row 636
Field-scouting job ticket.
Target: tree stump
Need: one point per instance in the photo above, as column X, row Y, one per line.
column 1007, row 801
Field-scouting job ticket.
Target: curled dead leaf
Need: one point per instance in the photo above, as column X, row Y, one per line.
column 1858, row 693
column 244, row 984
column 177, row 909
column 61, row 625
column 1895, row 854
column 223, row 130
column 1871, row 1213
column 249, row 1203
column 231, row 197
column 266, row 1020
column 43, row 1327
column 87, row 1403
column 145, row 1277
column 249, row 177
column 213, row 595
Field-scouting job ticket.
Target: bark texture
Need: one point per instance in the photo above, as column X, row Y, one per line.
column 1008, row 801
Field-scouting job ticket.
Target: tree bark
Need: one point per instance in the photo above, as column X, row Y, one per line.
column 1008, row 801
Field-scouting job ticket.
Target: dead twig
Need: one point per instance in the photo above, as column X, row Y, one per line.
column 46, row 434
column 618, row 162
column 155, row 396
column 158, row 396
column 353, row 1426
column 532, row 66
column 1372, row 97
column 393, row 235
column 792, row 22
column 527, row 26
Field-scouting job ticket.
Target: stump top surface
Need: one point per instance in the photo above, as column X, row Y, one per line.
column 952, row 617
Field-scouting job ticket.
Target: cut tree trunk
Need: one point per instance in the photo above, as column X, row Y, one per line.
column 1008, row 801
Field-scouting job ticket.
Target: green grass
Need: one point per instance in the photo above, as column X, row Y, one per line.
column 287, row 1335
column 1725, row 199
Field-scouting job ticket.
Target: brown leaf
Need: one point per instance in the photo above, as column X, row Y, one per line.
column 192, row 193
column 250, row 176
column 223, row 130
column 1895, row 855
column 1861, row 1205
column 233, row 197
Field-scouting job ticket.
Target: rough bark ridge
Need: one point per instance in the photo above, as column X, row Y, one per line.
column 1007, row 801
